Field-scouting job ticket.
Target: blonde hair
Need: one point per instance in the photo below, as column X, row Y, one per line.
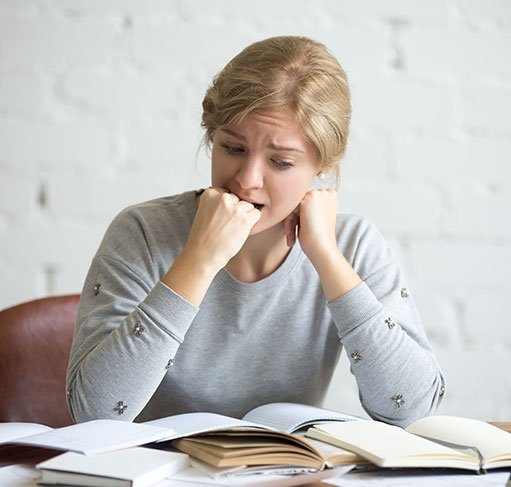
column 285, row 71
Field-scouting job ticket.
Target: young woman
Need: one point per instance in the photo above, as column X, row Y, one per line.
column 245, row 293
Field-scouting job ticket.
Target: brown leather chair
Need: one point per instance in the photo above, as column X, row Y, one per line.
column 35, row 340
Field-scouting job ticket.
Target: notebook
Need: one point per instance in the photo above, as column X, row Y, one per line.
column 131, row 467
column 435, row 441
column 90, row 437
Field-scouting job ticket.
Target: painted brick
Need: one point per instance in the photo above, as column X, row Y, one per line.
column 467, row 55
column 486, row 109
column 17, row 195
column 17, row 285
column 160, row 46
column 436, row 11
column 486, row 317
column 121, row 96
column 489, row 13
column 367, row 156
column 164, row 149
column 412, row 210
column 115, row 7
column 31, row 246
column 464, row 265
column 479, row 213
column 475, row 386
column 100, row 199
column 39, row 41
column 463, row 159
column 403, row 104
column 438, row 311
column 22, row 93
column 31, row 144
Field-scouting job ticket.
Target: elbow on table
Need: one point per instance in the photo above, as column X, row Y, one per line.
column 86, row 405
column 81, row 413
column 403, row 411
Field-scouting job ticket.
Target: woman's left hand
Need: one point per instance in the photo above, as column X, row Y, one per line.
column 315, row 218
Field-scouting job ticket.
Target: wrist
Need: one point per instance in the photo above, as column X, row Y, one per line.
column 336, row 274
column 200, row 262
column 190, row 277
column 323, row 256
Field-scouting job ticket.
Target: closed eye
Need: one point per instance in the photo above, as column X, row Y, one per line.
column 235, row 151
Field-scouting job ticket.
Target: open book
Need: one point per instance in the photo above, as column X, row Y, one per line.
column 271, row 423
column 91, row 437
column 435, row 441
column 265, row 436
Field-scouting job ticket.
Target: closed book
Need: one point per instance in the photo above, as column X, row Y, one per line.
column 131, row 467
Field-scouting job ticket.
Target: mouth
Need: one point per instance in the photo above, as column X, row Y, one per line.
column 259, row 206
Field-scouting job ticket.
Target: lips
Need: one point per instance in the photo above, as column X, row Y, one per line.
column 259, row 206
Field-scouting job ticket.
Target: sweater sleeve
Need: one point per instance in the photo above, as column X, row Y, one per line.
column 128, row 330
column 395, row 367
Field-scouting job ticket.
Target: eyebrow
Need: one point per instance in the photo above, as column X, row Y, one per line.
column 271, row 145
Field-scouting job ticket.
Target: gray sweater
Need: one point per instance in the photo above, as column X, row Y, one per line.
column 141, row 351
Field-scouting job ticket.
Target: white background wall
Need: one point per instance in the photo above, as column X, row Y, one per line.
column 100, row 103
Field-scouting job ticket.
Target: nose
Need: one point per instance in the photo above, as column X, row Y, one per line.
column 250, row 174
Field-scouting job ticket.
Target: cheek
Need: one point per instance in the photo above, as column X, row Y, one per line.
column 219, row 170
column 287, row 196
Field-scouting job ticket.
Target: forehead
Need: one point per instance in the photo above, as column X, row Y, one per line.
column 280, row 126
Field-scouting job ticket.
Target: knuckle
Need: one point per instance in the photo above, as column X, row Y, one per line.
column 225, row 198
column 238, row 211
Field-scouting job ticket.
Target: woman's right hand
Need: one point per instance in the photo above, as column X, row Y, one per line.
column 221, row 226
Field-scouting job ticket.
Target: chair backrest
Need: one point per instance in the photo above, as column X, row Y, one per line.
column 35, row 341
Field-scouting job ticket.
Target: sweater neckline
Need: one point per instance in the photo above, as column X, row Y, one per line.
column 240, row 287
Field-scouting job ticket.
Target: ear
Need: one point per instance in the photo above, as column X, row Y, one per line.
column 322, row 171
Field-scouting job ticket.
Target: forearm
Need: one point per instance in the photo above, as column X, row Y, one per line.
column 397, row 376
column 336, row 274
column 122, row 368
column 123, row 344
column 190, row 276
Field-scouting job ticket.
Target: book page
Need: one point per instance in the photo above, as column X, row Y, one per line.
column 252, row 477
column 290, row 417
column 489, row 440
column 193, row 423
column 330, row 451
column 386, row 445
column 14, row 431
column 421, row 478
column 96, row 436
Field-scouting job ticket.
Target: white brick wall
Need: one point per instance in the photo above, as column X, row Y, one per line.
column 100, row 104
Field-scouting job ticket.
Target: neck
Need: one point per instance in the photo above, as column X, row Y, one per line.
column 260, row 255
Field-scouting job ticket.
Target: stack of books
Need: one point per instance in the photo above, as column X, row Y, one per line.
column 283, row 438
